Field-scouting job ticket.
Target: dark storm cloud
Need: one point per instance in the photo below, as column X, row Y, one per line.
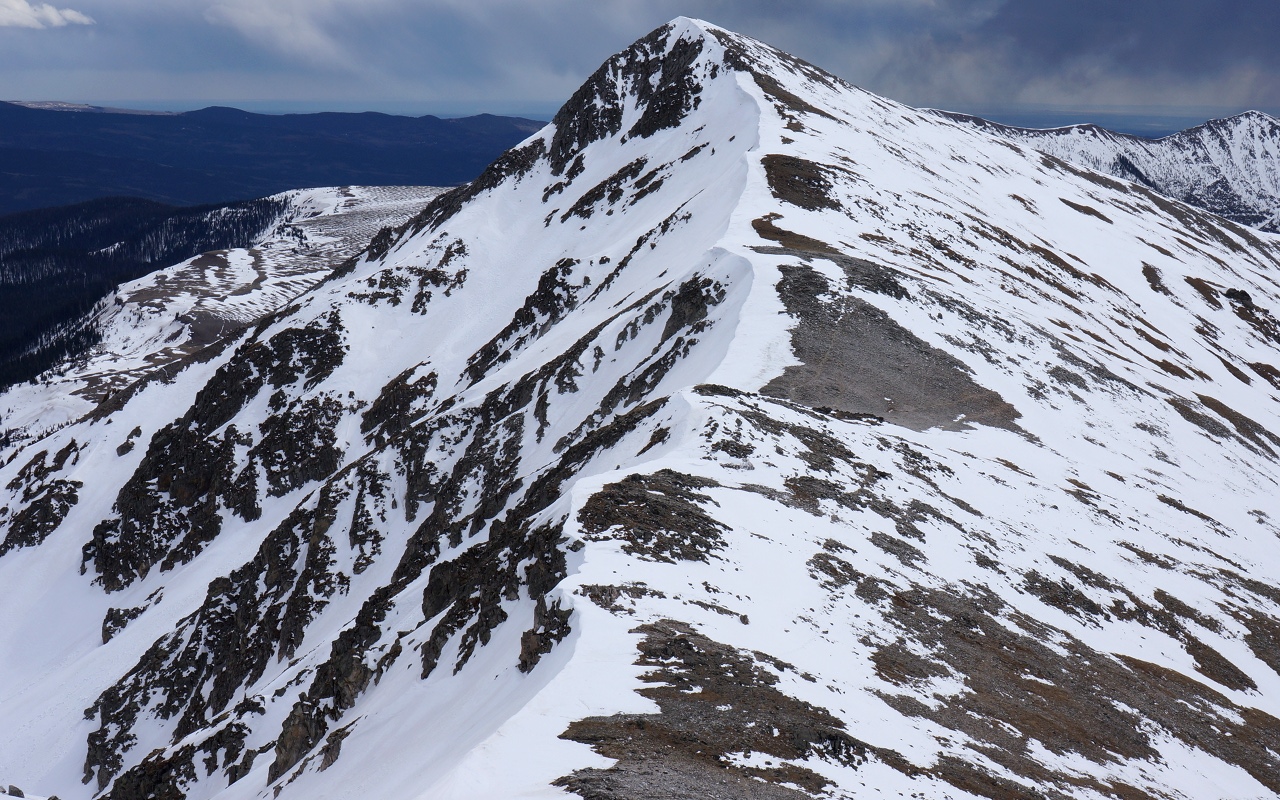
column 515, row 55
column 1099, row 52
column 1183, row 37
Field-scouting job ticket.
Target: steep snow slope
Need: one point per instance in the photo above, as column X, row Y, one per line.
column 741, row 434
column 174, row 313
column 1228, row 166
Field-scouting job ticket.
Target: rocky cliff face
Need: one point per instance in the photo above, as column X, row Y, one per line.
column 741, row 434
column 1229, row 166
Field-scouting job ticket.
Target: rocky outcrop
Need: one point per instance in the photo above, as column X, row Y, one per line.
column 45, row 500
column 171, row 507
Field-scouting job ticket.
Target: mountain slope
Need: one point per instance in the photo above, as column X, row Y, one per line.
column 1229, row 166
column 152, row 323
column 740, row 434
column 57, row 264
column 217, row 155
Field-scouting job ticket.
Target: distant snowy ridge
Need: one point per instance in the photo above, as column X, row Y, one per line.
column 1229, row 166
column 740, row 434
column 173, row 313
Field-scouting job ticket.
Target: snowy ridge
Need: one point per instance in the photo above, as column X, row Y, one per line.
column 173, row 313
column 1229, row 166
column 741, row 434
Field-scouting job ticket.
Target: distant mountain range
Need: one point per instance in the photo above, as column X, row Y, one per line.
column 52, row 156
column 1228, row 166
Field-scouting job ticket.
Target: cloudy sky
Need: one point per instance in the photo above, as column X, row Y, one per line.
column 1184, row 59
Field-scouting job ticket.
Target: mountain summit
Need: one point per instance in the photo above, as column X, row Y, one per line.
column 741, row 434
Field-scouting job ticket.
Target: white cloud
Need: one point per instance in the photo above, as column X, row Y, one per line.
column 295, row 28
column 22, row 14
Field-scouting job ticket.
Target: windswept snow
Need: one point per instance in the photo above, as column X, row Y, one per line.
column 1228, row 166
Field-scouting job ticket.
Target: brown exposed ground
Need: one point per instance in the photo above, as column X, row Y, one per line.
column 715, row 701
column 857, row 359
column 1067, row 697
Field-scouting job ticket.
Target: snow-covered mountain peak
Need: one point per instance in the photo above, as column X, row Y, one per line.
column 652, row 86
column 1257, row 119
column 740, row 434
column 1228, row 166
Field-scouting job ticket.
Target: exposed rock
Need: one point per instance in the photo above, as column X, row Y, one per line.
column 657, row 516
column 46, row 500
column 1069, row 698
column 555, row 296
column 116, row 619
column 298, row 444
column 799, row 182
column 857, row 359
column 515, row 462
column 169, row 510
column 655, row 71
column 398, row 405
column 167, row 778
column 515, row 163
column 716, row 702
column 261, row 610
